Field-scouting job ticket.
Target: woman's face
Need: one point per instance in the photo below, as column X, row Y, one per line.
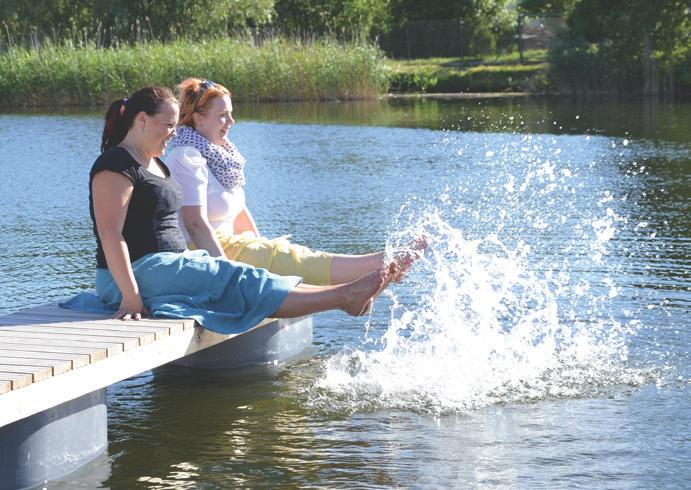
column 217, row 120
column 160, row 128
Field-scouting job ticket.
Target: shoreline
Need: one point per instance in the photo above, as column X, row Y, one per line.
column 386, row 96
column 459, row 95
column 87, row 108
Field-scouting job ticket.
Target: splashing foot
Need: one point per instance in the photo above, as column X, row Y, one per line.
column 361, row 292
column 404, row 259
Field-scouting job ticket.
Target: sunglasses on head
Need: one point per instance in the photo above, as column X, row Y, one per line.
column 203, row 87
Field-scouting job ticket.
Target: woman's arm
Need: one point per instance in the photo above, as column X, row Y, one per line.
column 111, row 195
column 200, row 230
column 245, row 223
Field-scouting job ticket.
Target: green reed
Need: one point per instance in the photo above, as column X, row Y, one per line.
column 274, row 70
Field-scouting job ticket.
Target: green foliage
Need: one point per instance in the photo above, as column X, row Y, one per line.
column 346, row 18
column 624, row 46
column 423, row 80
column 451, row 75
column 276, row 70
column 540, row 7
column 486, row 10
column 580, row 67
column 488, row 21
column 111, row 22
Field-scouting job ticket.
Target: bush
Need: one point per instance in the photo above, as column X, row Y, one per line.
column 578, row 67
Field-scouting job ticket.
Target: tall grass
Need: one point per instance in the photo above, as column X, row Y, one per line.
column 276, row 69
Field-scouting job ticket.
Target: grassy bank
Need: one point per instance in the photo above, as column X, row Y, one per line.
column 503, row 73
column 276, row 70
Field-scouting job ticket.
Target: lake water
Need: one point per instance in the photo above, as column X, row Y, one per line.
column 542, row 342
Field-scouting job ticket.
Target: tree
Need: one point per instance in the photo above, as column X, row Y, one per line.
column 470, row 10
column 112, row 21
column 349, row 18
column 640, row 44
column 541, row 7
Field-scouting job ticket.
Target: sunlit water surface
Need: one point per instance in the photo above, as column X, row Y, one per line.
column 543, row 341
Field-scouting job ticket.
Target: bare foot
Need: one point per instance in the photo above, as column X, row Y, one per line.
column 403, row 259
column 367, row 308
column 361, row 292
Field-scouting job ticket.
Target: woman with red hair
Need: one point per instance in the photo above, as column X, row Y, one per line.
column 209, row 169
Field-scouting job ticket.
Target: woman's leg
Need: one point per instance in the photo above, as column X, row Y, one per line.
column 315, row 267
column 354, row 297
column 347, row 268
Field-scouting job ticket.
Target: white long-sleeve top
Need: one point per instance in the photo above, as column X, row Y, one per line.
column 200, row 188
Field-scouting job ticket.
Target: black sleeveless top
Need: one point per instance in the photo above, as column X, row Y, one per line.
column 151, row 224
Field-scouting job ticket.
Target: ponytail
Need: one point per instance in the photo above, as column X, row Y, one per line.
column 122, row 112
column 114, row 129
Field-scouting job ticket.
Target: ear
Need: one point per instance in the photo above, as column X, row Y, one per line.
column 196, row 118
column 140, row 118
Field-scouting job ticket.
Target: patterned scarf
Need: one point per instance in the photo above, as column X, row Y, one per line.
column 225, row 162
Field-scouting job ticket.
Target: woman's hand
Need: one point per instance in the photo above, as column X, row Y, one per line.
column 131, row 309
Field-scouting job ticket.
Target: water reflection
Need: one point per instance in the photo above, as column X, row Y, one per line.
column 650, row 119
column 544, row 172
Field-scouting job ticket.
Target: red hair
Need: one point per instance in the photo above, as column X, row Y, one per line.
column 196, row 95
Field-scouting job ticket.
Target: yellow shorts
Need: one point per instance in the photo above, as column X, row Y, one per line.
column 279, row 256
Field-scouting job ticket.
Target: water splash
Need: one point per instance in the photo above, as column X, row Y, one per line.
column 498, row 316
column 488, row 331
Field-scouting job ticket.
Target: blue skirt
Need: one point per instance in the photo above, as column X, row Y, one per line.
column 221, row 295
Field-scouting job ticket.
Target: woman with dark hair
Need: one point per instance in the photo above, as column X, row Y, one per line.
column 142, row 262
column 214, row 216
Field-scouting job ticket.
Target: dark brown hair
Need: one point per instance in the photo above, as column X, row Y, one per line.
column 121, row 113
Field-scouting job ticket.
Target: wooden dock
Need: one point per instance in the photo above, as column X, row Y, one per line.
column 55, row 366
column 50, row 355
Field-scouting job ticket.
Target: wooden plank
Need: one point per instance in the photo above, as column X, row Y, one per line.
column 127, row 343
column 74, row 360
column 159, row 331
column 16, row 380
column 95, row 350
column 38, row 373
column 36, row 397
column 42, row 311
column 119, row 326
column 64, row 314
column 57, row 366
column 29, row 317
column 59, row 317
column 111, row 348
column 67, row 329
column 5, row 386
column 90, row 354
column 56, row 310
